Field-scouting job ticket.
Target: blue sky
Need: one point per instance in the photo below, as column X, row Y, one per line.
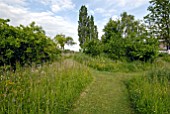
column 61, row 16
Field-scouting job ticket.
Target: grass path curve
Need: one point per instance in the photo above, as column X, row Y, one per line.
column 106, row 95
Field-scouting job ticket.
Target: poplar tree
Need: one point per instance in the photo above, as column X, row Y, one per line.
column 92, row 29
column 82, row 25
column 87, row 31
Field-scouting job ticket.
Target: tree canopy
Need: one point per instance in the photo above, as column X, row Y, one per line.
column 62, row 40
column 25, row 44
column 128, row 38
column 159, row 19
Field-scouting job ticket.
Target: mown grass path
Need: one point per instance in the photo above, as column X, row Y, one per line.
column 106, row 95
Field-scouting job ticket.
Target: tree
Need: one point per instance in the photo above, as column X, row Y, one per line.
column 112, row 40
column 127, row 37
column 87, row 31
column 69, row 41
column 82, row 25
column 92, row 29
column 62, row 40
column 159, row 19
column 24, row 45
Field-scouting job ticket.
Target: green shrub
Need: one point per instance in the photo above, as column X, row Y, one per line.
column 25, row 44
column 48, row 89
column 93, row 47
column 142, row 49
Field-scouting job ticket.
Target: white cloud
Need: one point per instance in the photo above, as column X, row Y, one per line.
column 126, row 3
column 91, row 12
column 115, row 17
column 45, row 2
column 55, row 8
column 104, row 12
column 100, row 10
column 14, row 2
column 58, row 5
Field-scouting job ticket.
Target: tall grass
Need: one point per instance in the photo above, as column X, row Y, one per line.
column 49, row 89
column 150, row 94
column 102, row 63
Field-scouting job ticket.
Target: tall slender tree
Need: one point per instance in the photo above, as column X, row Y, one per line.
column 82, row 25
column 92, row 29
column 87, row 31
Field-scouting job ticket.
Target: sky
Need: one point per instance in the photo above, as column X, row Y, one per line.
column 61, row 16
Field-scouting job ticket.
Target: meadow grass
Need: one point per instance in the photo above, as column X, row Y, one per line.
column 150, row 91
column 102, row 63
column 150, row 94
column 48, row 89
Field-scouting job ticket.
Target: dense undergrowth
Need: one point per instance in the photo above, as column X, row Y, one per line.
column 150, row 94
column 103, row 63
column 48, row 89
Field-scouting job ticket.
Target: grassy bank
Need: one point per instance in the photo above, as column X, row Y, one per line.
column 48, row 89
column 102, row 63
column 150, row 94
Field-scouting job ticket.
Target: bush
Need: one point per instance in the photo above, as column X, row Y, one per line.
column 93, row 47
column 25, row 45
column 142, row 50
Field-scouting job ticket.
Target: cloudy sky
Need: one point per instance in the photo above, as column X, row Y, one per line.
column 61, row 16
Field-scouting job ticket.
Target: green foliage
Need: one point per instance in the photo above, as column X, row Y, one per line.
column 112, row 40
column 159, row 19
column 128, row 38
column 82, row 26
column 62, row 40
column 166, row 58
column 143, row 49
column 111, row 31
column 115, row 48
column 50, row 89
column 25, row 45
column 93, row 47
column 150, row 94
column 87, row 31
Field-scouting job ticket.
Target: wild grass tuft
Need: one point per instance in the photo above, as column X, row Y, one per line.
column 150, row 94
column 48, row 89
